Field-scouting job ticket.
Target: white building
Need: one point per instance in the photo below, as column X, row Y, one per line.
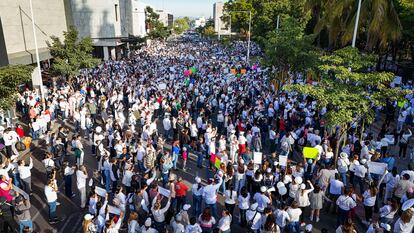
column 137, row 23
column 166, row 18
column 219, row 25
column 200, row 22
column 16, row 32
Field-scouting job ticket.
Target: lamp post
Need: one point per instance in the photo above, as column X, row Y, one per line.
column 248, row 36
column 40, row 81
column 356, row 24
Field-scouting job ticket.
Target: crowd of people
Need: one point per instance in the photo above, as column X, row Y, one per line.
column 149, row 116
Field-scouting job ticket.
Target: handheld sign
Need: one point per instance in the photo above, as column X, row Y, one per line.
column 164, row 192
column 257, row 157
column 310, row 152
column 376, row 167
column 283, row 160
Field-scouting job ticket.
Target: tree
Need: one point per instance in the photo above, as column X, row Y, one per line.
column 348, row 90
column 71, row 55
column 289, row 50
column 156, row 28
column 181, row 25
column 378, row 22
column 10, row 78
column 209, row 31
column 405, row 9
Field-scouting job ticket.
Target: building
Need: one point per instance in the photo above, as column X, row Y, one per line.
column 16, row 32
column 219, row 26
column 200, row 22
column 166, row 18
column 100, row 20
column 137, row 16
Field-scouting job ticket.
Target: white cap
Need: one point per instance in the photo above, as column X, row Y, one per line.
column 263, row 189
column 254, row 206
column 268, row 170
column 241, row 161
column 184, row 149
column 298, row 180
column 198, row 179
column 148, row 222
column 308, row 227
column 302, row 186
column 88, row 217
column 178, row 218
column 98, row 129
column 363, row 161
column 385, row 226
column 186, row 207
column 343, row 155
column 280, row 184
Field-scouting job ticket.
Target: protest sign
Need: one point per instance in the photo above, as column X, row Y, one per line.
column 376, row 167
column 164, row 192
column 310, row 152
column 217, row 163
column 162, row 86
column 243, row 71
column 257, row 157
column 114, row 210
column 283, row 160
column 100, row 191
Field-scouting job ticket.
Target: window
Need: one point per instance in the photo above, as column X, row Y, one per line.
column 116, row 12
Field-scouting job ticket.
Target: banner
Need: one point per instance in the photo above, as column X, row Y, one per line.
column 310, row 152
column 164, row 192
column 257, row 157
column 217, row 163
column 376, row 167
column 283, row 160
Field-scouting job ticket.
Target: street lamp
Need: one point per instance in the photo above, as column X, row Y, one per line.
column 40, row 81
column 356, row 24
column 248, row 38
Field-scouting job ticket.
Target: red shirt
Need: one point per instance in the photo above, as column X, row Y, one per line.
column 20, row 132
column 180, row 189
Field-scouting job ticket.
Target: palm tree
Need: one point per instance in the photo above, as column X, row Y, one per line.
column 378, row 21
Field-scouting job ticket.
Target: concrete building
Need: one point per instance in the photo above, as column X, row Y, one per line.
column 200, row 22
column 219, row 26
column 166, row 18
column 137, row 19
column 16, row 33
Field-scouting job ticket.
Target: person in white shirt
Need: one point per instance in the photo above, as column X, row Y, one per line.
column 159, row 213
column 369, row 196
column 230, row 196
column 167, row 126
column 51, row 190
column 81, row 177
column 360, row 173
column 67, row 173
column 405, row 223
column 253, row 217
column 388, row 211
column 294, row 213
column 244, row 204
column 210, row 195
column 26, row 175
column 193, row 227
column 282, row 218
column 262, row 199
column 345, row 203
column 224, row 223
column 404, row 138
column 343, row 165
column 302, row 198
column 147, row 227
column 10, row 137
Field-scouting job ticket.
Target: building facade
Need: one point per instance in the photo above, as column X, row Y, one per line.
column 166, row 18
column 17, row 44
column 219, row 25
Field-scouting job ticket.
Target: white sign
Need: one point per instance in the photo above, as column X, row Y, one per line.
column 100, row 191
column 162, row 86
column 114, row 210
column 377, row 168
column 164, row 192
column 283, row 160
column 257, row 157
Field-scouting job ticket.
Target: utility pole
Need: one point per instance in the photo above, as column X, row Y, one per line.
column 356, row 24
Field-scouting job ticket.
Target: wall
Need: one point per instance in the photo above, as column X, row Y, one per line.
column 137, row 23
column 98, row 19
column 17, row 27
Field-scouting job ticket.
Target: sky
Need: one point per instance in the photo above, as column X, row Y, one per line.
column 191, row 8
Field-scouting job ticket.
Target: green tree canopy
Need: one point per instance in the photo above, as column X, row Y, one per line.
column 10, row 78
column 156, row 28
column 405, row 9
column 72, row 54
column 181, row 25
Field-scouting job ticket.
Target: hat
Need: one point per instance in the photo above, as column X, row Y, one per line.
column 308, row 227
column 268, row 170
column 363, row 161
column 148, row 222
column 385, row 226
column 172, row 177
column 263, row 189
column 254, row 206
column 298, row 180
column 241, row 132
column 233, row 131
column 198, row 179
column 184, row 149
column 302, row 186
column 280, row 184
column 178, row 218
column 98, row 129
column 88, row 217
column 343, row 155
column 310, row 161
column 186, row 207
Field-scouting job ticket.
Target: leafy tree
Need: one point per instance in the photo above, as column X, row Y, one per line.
column 348, row 90
column 405, row 10
column 72, row 54
column 378, row 22
column 289, row 49
column 181, row 25
column 209, row 31
column 156, row 29
column 10, row 78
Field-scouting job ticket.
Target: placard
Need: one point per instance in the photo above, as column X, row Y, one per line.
column 376, row 167
column 163, row 191
column 243, row 71
column 217, row 163
column 257, row 157
column 100, row 191
column 283, row 160
column 114, row 210
column 162, row 86
column 310, row 152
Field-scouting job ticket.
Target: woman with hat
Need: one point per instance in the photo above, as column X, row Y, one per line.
column 147, row 227
column 88, row 225
column 197, row 190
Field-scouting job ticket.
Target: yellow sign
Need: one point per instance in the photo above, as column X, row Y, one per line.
column 310, row 152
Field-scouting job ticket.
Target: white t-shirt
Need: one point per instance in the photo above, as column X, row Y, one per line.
column 294, row 214
column 336, row 187
column 81, row 179
column 230, row 197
